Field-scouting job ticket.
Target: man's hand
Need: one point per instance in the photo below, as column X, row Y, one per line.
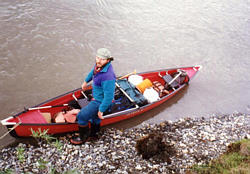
column 84, row 85
column 100, row 115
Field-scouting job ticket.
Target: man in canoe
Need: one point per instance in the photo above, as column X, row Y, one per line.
column 103, row 77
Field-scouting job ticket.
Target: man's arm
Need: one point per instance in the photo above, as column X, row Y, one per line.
column 87, row 79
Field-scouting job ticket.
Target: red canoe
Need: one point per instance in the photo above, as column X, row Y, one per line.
column 22, row 124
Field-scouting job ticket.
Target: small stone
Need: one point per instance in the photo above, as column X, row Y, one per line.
column 111, row 167
column 185, row 151
column 156, row 166
column 212, row 138
column 138, row 167
column 182, row 145
column 163, row 124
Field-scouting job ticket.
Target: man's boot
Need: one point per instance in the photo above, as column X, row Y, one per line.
column 82, row 138
column 95, row 128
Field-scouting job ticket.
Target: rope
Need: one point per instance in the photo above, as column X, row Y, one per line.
column 11, row 129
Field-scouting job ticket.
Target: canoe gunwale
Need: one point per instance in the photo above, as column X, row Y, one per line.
column 107, row 116
column 5, row 121
column 72, row 91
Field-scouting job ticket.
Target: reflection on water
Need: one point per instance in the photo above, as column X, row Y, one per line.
column 47, row 47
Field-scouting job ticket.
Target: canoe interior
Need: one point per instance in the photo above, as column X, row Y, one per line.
column 34, row 119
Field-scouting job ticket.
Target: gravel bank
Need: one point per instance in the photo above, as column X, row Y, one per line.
column 188, row 141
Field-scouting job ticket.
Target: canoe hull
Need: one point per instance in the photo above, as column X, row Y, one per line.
column 24, row 129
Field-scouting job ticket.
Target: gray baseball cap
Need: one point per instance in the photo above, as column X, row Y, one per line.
column 103, row 53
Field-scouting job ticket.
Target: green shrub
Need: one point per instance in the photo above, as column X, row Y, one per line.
column 232, row 161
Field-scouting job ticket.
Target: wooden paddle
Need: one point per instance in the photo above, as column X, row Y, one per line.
column 125, row 76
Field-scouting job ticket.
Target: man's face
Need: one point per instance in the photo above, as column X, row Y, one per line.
column 100, row 62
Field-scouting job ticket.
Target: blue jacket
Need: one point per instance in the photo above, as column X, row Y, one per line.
column 103, row 86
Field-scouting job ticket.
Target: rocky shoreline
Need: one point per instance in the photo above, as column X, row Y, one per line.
column 182, row 143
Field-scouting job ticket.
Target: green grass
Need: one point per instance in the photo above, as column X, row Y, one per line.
column 235, row 161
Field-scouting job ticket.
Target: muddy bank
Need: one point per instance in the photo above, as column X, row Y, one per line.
column 179, row 145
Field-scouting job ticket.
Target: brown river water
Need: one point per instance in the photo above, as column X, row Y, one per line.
column 47, row 48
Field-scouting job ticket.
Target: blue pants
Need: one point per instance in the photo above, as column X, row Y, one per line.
column 89, row 113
